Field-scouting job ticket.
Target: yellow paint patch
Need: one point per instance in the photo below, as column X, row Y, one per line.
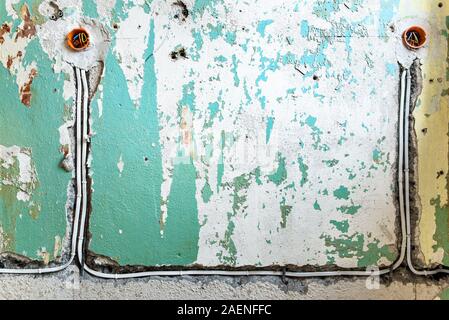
column 431, row 126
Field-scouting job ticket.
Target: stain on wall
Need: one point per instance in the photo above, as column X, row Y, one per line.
column 222, row 133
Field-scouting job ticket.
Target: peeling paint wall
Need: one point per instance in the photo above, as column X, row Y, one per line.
column 233, row 158
column 35, row 196
column 223, row 134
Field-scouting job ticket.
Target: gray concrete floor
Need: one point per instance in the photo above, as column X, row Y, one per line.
column 70, row 285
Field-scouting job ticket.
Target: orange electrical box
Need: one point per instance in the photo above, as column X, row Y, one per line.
column 415, row 37
column 78, row 39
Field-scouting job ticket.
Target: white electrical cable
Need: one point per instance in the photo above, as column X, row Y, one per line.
column 407, row 187
column 274, row 273
column 77, row 203
column 82, row 170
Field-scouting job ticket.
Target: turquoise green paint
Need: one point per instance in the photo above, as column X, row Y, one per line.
column 262, row 26
column 213, row 109
column 206, row 192
column 304, row 29
column 121, row 9
column 235, row 63
column 35, row 128
column 239, row 185
column 331, row 163
column 215, row 32
column 90, row 8
column 392, row 69
column 317, row 206
column 198, row 38
column 188, row 96
column 351, row 210
column 270, row 125
column 342, row 193
column 198, row 45
column 342, row 226
column 386, row 14
column 231, row 257
column 247, row 95
column 183, row 228
column 230, row 37
column 200, row 6
column 353, row 247
column 280, row 175
column 140, row 230
column 377, row 155
column 220, row 165
column 221, row 59
column 304, row 171
column 316, row 134
column 258, row 174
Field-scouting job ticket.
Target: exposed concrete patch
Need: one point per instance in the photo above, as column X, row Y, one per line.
column 69, row 285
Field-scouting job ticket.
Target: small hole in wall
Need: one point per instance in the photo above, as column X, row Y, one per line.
column 115, row 26
column 440, row 5
column 315, row 78
column 146, row 159
column 183, row 53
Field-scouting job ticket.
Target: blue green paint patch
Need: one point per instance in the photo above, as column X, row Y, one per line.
column 235, row 63
column 200, row 6
column 141, row 230
column 216, row 31
column 342, row 193
column 342, row 226
column 377, row 155
column 280, row 175
column 206, row 192
column 304, row 29
column 351, row 210
column 286, row 210
column 304, row 169
column 270, row 125
column 331, row 163
column 90, row 8
column 262, row 26
column 347, row 247
column 37, row 228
